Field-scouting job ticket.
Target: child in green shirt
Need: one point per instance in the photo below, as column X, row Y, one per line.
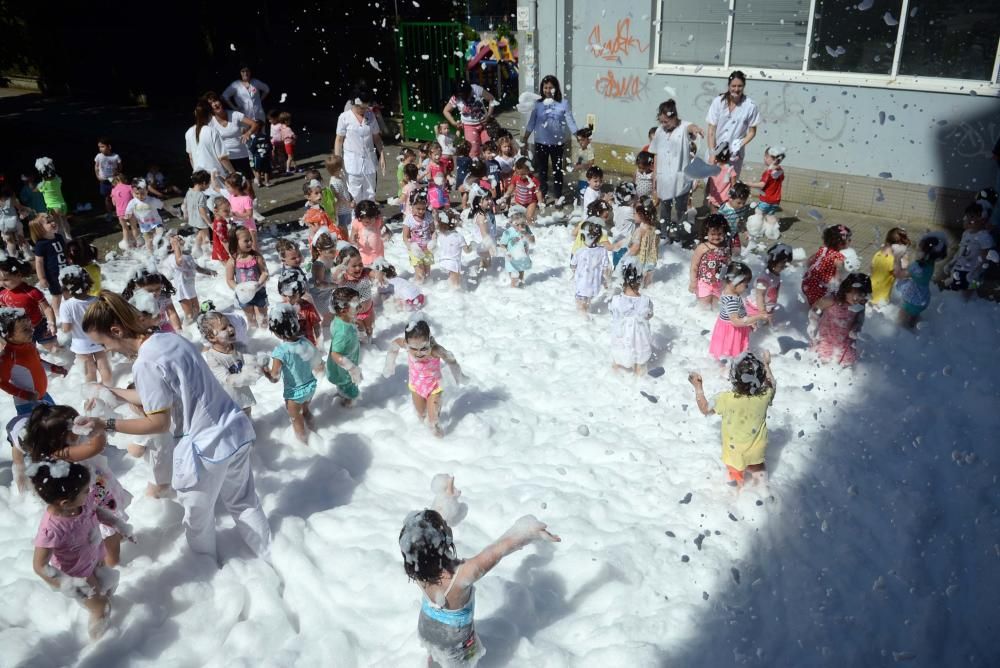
column 345, row 349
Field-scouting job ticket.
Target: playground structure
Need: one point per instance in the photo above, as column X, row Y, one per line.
column 492, row 63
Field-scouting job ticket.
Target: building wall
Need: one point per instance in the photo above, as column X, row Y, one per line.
column 864, row 149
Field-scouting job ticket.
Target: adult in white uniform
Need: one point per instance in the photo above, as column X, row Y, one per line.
column 246, row 95
column 235, row 130
column 671, row 148
column 203, row 144
column 178, row 393
column 360, row 144
column 732, row 118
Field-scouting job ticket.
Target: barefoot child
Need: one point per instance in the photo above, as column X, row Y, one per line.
column 764, row 296
column 292, row 362
column 222, row 212
column 835, row 321
column 293, row 291
column 182, row 267
column 151, row 292
column 591, row 267
column 369, row 234
column 50, row 256
column 408, row 295
column 76, row 284
column 484, row 227
column 731, row 335
column 446, row 626
column 448, row 245
column 914, row 285
column 65, row 556
column 225, row 358
column 630, row 315
column 352, row 273
column 884, row 262
column 424, row 356
column 644, row 244
column 196, row 212
column 143, row 211
column 345, row 349
column 515, row 241
column 826, row 266
column 16, row 294
column 710, row 259
column 241, row 201
column 418, row 229
column 246, row 274
column 744, row 415
column 28, row 385
column 324, row 259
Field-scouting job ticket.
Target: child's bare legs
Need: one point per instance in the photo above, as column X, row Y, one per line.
column 532, row 208
column 126, row 233
column 455, row 280
column 11, row 240
column 583, row 305
column 297, row 415
column 190, row 308
column 112, row 550
column 89, row 369
column 485, row 260
column 149, row 241
column 201, row 238
column 253, row 238
column 307, row 416
column 758, row 473
column 56, row 302
column 419, row 272
column 251, row 314
column 647, row 279
column 99, row 608
column 429, row 409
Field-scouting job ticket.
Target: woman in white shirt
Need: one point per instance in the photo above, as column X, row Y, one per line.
column 178, row 393
column 671, row 148
column 235, row 130
column 733, row 118
column 246, row 95
column 360, row 144
column 204, row 144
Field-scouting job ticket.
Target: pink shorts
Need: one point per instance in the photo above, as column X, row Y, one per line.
column 476, row 135
column 365, row 315
column 705, row 289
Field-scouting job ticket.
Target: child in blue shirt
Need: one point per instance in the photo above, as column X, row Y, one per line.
column 293, row 362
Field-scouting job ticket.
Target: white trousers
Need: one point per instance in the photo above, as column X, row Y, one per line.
column 230, row 481
column 361, row 186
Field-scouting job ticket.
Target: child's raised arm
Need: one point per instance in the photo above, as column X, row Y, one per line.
column 524, row 531
column 766, row 356
column 699, row 394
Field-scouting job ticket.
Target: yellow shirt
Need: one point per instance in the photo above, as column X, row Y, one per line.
column 744, row 427
column 94, row 270
column 578, row 240
column 882, row 277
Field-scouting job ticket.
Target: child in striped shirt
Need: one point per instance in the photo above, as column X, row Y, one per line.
column 525, row 188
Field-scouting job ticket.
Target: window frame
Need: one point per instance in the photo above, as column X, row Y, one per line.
column 893, row 80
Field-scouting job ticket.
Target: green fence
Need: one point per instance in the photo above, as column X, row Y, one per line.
column 431, row 59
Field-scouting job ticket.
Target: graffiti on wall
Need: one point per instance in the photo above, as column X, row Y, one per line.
column 623, row 43
column 969, row 139
column 624, row 87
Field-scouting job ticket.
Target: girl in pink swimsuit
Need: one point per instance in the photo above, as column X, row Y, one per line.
column 424, row 356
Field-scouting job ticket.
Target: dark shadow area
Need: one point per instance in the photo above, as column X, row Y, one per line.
column 474, row 400
column 533, row 278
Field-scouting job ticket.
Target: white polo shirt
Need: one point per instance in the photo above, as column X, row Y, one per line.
column 732, row 126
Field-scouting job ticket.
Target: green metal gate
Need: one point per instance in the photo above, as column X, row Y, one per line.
column 431, row 59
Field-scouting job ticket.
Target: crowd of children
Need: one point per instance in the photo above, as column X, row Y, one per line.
column 330, row 291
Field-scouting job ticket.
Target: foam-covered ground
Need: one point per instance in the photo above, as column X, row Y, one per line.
column 875, row 541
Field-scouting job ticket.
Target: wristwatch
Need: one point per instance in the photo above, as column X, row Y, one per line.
column 110, row 425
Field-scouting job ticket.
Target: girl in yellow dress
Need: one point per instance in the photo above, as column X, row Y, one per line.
column 896, row 244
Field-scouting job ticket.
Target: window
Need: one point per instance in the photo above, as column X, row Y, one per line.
column 953, row 40
column 770, row 33
column 694, row 32
column 942, row 46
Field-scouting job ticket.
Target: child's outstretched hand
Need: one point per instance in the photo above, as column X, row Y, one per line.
column 695, row 378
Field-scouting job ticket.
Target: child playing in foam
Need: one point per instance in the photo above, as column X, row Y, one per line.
column 22, row 370
column 16, row 294
column 884, row 262
column 630, row 314
column 407, row 293
column 591, row 267
column 424, row 355
column 293, row 290
column 246, row 275
column 150, row 292
column 225, row 359
column 418, row 229
column 914, row 280
column 710, row 259
column 293, row 362
column 446, row 626
column 350, row 272
column 718, row 186
column 143, row 211
column 66, row 556
column 731, row 335
column 744, row 415
column 448, row 245
column 644, row 244
column 76, row 284
column 835, row 321
column 764, row 296
column 345, row 348
column 515, row 241
column 825, row 267
column 484, row 227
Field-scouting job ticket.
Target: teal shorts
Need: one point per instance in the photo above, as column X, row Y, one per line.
column 300, row 394
column 913, row 309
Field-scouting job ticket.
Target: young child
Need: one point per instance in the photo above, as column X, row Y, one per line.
column 448, row 245
column 261, row 154
column 516, row 241
column 293, row 290
column 644, row 243
column 590, row 266
column 744, row 415
column 710, row 259
column 222, row 212
column 76, row 284
column 914, row 285
column 731, row 335
column 246, row 274
column 825, row 267
column 329, row 201
column 182, row 268
column 484, row 228
column 645, row 180
column 525, row 189
column 368, row 234
column 884, row 263
column 277, row 145
column 50, row 256
column 718, row 186
column 66, row 555
column 407, row 156
column 12, row 213
column 287, row 137
column 447, row 145
column 408, row 295
column 351, row 272
column 242, row 204
column 446, row 626
column 16, row 294
column 292, row 362
column 630, row 332
column 345, row 349
column 649, row 137
column 51, row 189
column 315, row 217
column 478, row 178
column 195, row 209
column 338, row 183
column 595, row 181
column 424, row 355
column 22, row 370
column 151, row 292
column 158, row 185
column 764, row 296
column 407, row 186
column 107, row 163
column 143, row 211
column 966, row 268
column 836, row 320
column 583, row 158
column 418, row 229
column 770, row 183
column 121, row 195
column 224, row 357
column 735, row 210
column 437, row 190
column 623, row 209
column 29, row 194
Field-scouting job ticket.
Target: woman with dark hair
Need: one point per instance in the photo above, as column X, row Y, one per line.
column 177, row 393
column 732, row 120
column 475, row 107
column 671, row 148
column 549, row 120
column 359, row 143
column 204, row 144
column 246, row 95
column 235, row 130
